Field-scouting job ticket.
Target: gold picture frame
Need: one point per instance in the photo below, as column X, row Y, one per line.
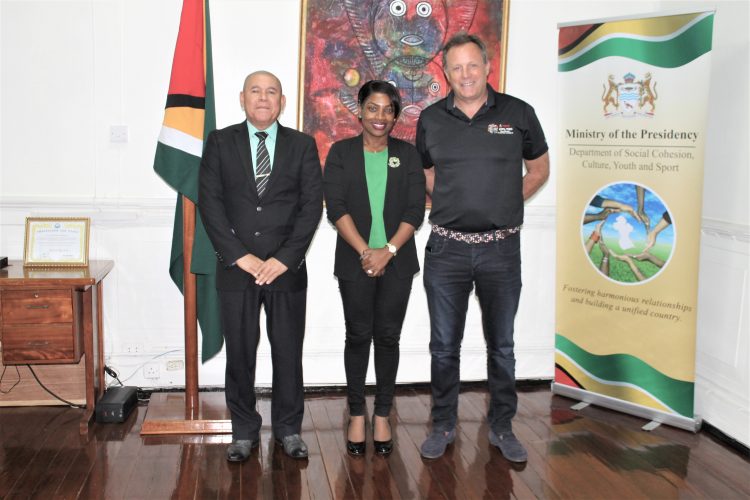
column 56, row 242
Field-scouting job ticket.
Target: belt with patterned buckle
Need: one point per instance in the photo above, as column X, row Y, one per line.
column 472, row 238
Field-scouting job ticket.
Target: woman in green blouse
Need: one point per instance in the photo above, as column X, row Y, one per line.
column 375, row 196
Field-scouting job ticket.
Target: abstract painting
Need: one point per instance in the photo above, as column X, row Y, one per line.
column 345, row 43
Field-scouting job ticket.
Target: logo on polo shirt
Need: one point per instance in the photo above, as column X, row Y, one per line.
column 500, row 128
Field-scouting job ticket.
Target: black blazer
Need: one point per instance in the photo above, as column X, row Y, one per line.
column 345, row 186
column 280, row 225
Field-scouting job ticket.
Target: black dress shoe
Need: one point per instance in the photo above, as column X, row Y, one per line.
column 356, row 449
column 240, row 449
column 293, row 445
column 381, row 447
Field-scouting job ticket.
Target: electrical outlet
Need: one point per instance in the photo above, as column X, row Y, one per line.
column 151, row 370
column 174, row 365
column 133, row 348
column 118, row 133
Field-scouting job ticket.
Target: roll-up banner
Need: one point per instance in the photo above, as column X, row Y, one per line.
column 634, row 101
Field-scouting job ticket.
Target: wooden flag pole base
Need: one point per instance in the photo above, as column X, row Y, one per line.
column 166, row 415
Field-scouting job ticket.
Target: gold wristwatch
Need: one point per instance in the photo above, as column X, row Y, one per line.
column 391, row 248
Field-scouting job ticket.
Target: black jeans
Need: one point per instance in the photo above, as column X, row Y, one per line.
column 374, row 310
column 451, row 269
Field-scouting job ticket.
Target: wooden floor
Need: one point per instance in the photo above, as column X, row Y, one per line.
column 594, row 453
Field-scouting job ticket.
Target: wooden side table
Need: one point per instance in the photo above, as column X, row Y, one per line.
column 54, row 316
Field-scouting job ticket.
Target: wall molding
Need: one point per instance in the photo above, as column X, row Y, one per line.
column 124, row 212
column 725, row 230
column 104, row 212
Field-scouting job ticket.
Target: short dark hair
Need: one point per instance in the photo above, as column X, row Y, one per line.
column 462, row 38
column 380, row 87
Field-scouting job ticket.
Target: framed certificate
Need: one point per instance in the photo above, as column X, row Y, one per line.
column 56, row 242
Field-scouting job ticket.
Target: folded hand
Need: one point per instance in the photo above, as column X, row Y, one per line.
column 269, row 271
column 375, row 260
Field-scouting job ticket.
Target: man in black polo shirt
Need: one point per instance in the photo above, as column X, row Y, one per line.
column 474, row 145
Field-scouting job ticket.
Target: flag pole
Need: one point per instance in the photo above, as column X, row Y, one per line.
column 192, row 404
column 190, row 109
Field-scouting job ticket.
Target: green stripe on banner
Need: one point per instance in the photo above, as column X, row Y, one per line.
column 625, row 368
column 671, row 53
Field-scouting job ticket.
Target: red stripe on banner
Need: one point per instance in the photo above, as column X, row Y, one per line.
column 562, row 377
column 188, row 70
column 570, row 36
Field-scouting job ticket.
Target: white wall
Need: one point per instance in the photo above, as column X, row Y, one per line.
column 722, row 386
column 71, row 69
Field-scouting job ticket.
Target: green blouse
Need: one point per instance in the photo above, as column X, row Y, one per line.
column 376, row 171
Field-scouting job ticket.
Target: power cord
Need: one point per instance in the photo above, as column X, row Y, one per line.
column 112, row 373
column 18, row 380
column 72, row 405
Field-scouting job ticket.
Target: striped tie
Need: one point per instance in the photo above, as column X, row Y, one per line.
column 262, row 164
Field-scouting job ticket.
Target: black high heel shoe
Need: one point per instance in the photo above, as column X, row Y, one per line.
column 355, row 448
column 382, row 447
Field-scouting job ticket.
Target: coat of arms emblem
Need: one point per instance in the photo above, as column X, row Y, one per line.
column 629, row 97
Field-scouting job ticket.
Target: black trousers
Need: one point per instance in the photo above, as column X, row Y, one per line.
column 374, row 310
column 285, row 325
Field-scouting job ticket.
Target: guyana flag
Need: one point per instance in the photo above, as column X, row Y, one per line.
column 188, row 118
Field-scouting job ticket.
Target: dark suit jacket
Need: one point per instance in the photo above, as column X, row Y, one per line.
column 280, row 225
column 345, row 186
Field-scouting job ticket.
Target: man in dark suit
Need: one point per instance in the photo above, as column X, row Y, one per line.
column 261, row 199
